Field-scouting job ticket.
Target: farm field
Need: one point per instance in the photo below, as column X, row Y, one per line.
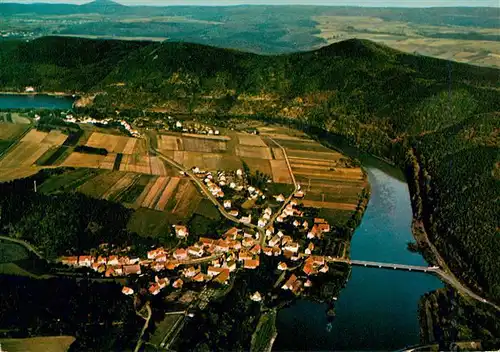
column 280, row 171
column 187, row 199
column 36, row 344
column 429, row 40
column 94, row 161
column 329, row 181
column 112, row 143
column 31, row 147
column 21, row 172
column 254, row 152
column 100, row 185
column 251, row 140
column 9, row 131
column 68, row 181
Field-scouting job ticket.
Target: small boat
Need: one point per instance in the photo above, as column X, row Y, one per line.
column 334, row 298
column 329, row 327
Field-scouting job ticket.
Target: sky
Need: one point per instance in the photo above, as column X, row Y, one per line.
column 371, row 3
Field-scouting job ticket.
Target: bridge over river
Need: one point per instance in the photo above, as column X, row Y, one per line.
column 432, row 269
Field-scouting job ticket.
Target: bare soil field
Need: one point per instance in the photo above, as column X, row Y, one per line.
column 310, row 146
column 168, row 142
column 102, row 185
column 38, row 344
column 251, row 140
column 130, row 146
column 18, row 172
column 136, row 163
column 282, row 133
column 34, row 136
column 109, row 161
column 330, row 175
column 206, row 161
column 329, row 205
column 87, row 160
column 155, row 192
column 207, row 136
column 158, row 167
column 168, row 191
column 54, row 138
column 311, row 162
column 331, row 155
column 253, row 152
column 11, row 131
column 23, row 154
column 281, row 174
column 262, row 165
column 112, row 143
column 206, row 145
column 278, row 153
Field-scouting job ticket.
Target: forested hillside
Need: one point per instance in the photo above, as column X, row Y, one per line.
column 64, row 223
column 375, row 98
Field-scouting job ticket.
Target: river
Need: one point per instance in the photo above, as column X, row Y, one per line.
column 12, row 101
column 377, row 310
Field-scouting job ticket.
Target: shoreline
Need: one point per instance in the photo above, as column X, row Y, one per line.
column 51, row 94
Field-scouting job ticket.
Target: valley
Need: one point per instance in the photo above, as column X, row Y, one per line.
column 201, row 182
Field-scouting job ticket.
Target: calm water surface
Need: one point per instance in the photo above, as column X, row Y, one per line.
column 34, row 102
column 378, row 308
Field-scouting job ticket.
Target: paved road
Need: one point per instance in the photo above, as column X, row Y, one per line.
column 202, row 187
column 201, row 260
column 446, row 274
column 26, row 245
column 289, row 198
column 443, row 274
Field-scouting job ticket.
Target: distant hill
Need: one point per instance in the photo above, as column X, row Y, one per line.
column 365, row 94
column 465, row 34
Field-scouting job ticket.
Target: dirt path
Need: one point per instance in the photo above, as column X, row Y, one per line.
column 146, row 324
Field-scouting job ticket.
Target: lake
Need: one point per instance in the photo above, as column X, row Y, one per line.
column 10, row 101
column 378, row 309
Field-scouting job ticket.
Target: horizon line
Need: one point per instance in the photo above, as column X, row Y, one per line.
column 251, row 4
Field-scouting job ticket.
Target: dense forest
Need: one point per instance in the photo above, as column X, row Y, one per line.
column 97, row 314
column 64, row 223
column 447, row 317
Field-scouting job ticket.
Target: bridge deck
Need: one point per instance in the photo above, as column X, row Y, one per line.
column 384, row 265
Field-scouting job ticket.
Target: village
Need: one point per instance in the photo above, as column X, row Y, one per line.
column 217, row 260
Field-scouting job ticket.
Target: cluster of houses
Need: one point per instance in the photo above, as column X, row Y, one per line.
column 193, row 128
column 236, row 182
column 280, row 244
column 112, row 265
column 90, row 120
column 236, row 249
column 116, row 265
column 314, row 264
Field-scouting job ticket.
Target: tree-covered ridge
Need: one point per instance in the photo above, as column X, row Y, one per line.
column 63, row 223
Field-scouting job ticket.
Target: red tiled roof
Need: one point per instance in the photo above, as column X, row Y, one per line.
column 251, row 263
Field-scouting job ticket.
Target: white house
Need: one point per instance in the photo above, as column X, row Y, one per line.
column 181, row 231
column 280, row 198
column 227, row 204
column 256, row 297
